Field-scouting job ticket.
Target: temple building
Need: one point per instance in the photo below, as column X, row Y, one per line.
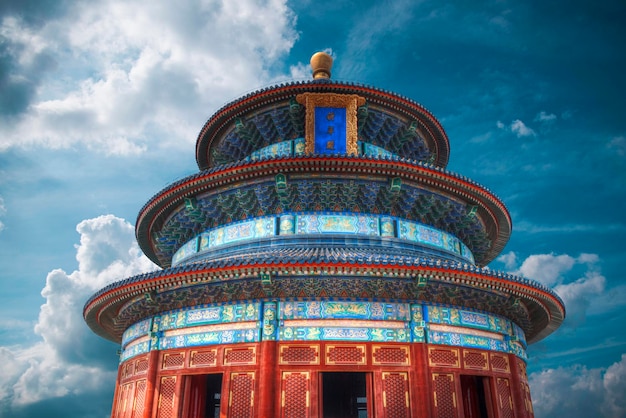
column 323, row 263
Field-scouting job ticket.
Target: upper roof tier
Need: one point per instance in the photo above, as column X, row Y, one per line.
column 277, row 114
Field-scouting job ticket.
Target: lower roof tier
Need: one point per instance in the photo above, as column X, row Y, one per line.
column 325, row 274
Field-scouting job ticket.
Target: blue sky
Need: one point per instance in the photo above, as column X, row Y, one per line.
column 101, row 102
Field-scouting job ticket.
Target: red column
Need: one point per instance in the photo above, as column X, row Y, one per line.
column 117, row 390
column 153, row 366
column 268, row 375
column 421, row 388
column 519, row 406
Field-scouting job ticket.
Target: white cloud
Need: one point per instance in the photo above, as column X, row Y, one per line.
column 547, row 268
column 70, row 355
column 520, row 129
column 153, row 72
column 578, row 392
column 577, row 280
column 545, row 117
column 509, row 259
column 3, row 210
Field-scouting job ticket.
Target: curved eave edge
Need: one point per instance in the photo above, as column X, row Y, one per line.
column 173, row 195
column 269, row 95
column 528, row 291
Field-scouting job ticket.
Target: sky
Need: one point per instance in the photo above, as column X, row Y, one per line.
column 101, row 102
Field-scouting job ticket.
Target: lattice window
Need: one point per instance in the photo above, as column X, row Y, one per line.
column 527, row 401
column 295, row 395
column 241, row 395
column 522, row 370
column 443, row 357
column 396, row 395
column 345, row 355
column 140, row 397
column 173, row 360
column 444, row 395
column 239, row 356
column 504, row 397
column 203, row 358
column 475, row 360
column 123, row 407
column 141, row 366
column 127, row 370
column 390, row 355
column 499, row 363
column 299, row 354
column 167, row 390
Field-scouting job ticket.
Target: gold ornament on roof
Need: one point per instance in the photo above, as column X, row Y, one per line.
column 321, row 63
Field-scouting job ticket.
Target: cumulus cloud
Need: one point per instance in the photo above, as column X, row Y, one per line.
column 509, row 260
column 577, row 280
column 520, row 129
column 579, row 392
column 149, row 71
column 69, row 355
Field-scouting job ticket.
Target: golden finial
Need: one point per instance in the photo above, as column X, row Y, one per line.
column 321, row 63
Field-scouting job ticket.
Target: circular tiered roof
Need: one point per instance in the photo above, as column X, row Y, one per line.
column 250, row 225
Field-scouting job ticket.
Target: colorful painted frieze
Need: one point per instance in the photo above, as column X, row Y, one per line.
column 135, row 349
column 329, row 223
column 191, row 338
column 344, row 310
column 374, row 151
column 210, row 315
column 188, row 249
column 470, row 319
column 337, row 333
column 136, row 331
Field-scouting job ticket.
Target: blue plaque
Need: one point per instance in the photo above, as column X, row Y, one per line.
column 330, row 130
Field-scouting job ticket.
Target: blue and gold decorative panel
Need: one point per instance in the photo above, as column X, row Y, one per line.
column 188, row 249
column 210, row 315
column 279, row 149
column 420, row 233
column 326, row 223
column 345, row 333
column 270, row 321
column 295, row 147
column 518, row 350
column 192, row 337
column 287, row 225
column 345, row 310
column 374, row 151
column 256, row 228
column 136, row 331
column 136, row 348
column 387, row 227
column 330, row 130
column 418, row 324
column 470, row 319
column 299, row 145
column 466, row 340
